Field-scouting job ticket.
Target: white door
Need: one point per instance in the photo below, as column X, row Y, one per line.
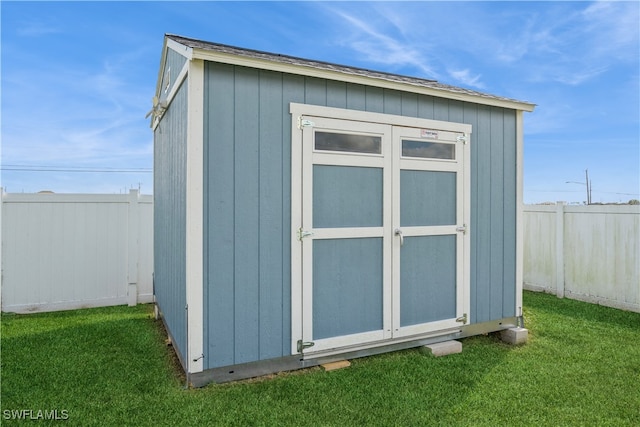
column 378, row 245
column 429, row 223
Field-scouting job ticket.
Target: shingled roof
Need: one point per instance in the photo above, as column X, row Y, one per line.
column 200, row 49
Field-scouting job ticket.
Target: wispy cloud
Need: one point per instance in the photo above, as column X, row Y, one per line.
column 376, row 44
column 466, row 78
column 573, row 46
column 38, row 29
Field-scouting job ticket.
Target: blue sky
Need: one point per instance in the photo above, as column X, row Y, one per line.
column 77, row 79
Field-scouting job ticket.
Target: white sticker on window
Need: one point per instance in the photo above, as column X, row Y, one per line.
column 428, row 133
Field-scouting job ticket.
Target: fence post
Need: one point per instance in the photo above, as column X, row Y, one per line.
column 132, row 258
column 560, row 249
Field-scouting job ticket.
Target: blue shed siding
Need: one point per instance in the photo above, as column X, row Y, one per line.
column 247, row 203
column 170, row 139
column 173, row 62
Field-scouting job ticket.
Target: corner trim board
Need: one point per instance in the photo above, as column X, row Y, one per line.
column 194, row 217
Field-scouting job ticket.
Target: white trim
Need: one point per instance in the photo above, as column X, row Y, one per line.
column 307, row 224
column 347, row 233
column 296, row 223
column 194, row 217
column 172, row 93
column 304, row 70
column 519, row 209
column 392, row 129
column 334, row 158
column 381, row 118
column 466, row 219
column 180, row 49
column 417, row 164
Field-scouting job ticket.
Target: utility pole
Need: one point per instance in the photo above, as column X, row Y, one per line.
column 588, row 184
column 586, row 172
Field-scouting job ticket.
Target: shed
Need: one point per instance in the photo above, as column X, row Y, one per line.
column 307, row 212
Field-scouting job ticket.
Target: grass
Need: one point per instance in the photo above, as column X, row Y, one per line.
column 109, row 366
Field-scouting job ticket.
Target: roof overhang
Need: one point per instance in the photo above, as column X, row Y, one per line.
column 303, row 67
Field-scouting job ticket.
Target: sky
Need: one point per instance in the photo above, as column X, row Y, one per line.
column 77, row 79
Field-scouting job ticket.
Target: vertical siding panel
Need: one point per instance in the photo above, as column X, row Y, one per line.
column 497, row 212
column 374, row 99
column 169, row 217
column 336, row 94
column 456, row 111
column 219, row 219
column 315, row 91
column 356, row 97
column 482, row 188
column 510, row 211
column 425, row 107
column 440, row 109
column 247, row 209
column 409, row 105
column 271, row 213
column 392, row 102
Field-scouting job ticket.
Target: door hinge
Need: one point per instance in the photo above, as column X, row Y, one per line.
column 302, row 123
column 462, row 138
column 462, row 229
column 304, row 344
column 462, row 319
column 303, row 233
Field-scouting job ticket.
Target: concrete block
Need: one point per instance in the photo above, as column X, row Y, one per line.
column 515, row 336
column 442, row 348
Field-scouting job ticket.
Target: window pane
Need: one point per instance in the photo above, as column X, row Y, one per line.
column 346, row 142
column 427, row 149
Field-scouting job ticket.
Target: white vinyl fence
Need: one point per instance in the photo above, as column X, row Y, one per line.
column 589, row 253
column 68, row 251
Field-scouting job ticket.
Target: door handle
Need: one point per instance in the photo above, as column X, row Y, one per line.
column 398, row 232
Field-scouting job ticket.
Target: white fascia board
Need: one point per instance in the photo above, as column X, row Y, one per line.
column 179, row 48
column 172, row 94
column 303, row 70
column 183, row 50
column 194, row 218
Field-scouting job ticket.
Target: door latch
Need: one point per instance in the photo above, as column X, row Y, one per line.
column 398, row 233
column 462, row 229
column 462, row 319
column 302, row 345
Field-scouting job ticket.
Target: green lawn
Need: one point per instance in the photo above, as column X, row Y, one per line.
column 110, row 367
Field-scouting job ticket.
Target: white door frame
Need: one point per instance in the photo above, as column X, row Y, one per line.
column 302, row 219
